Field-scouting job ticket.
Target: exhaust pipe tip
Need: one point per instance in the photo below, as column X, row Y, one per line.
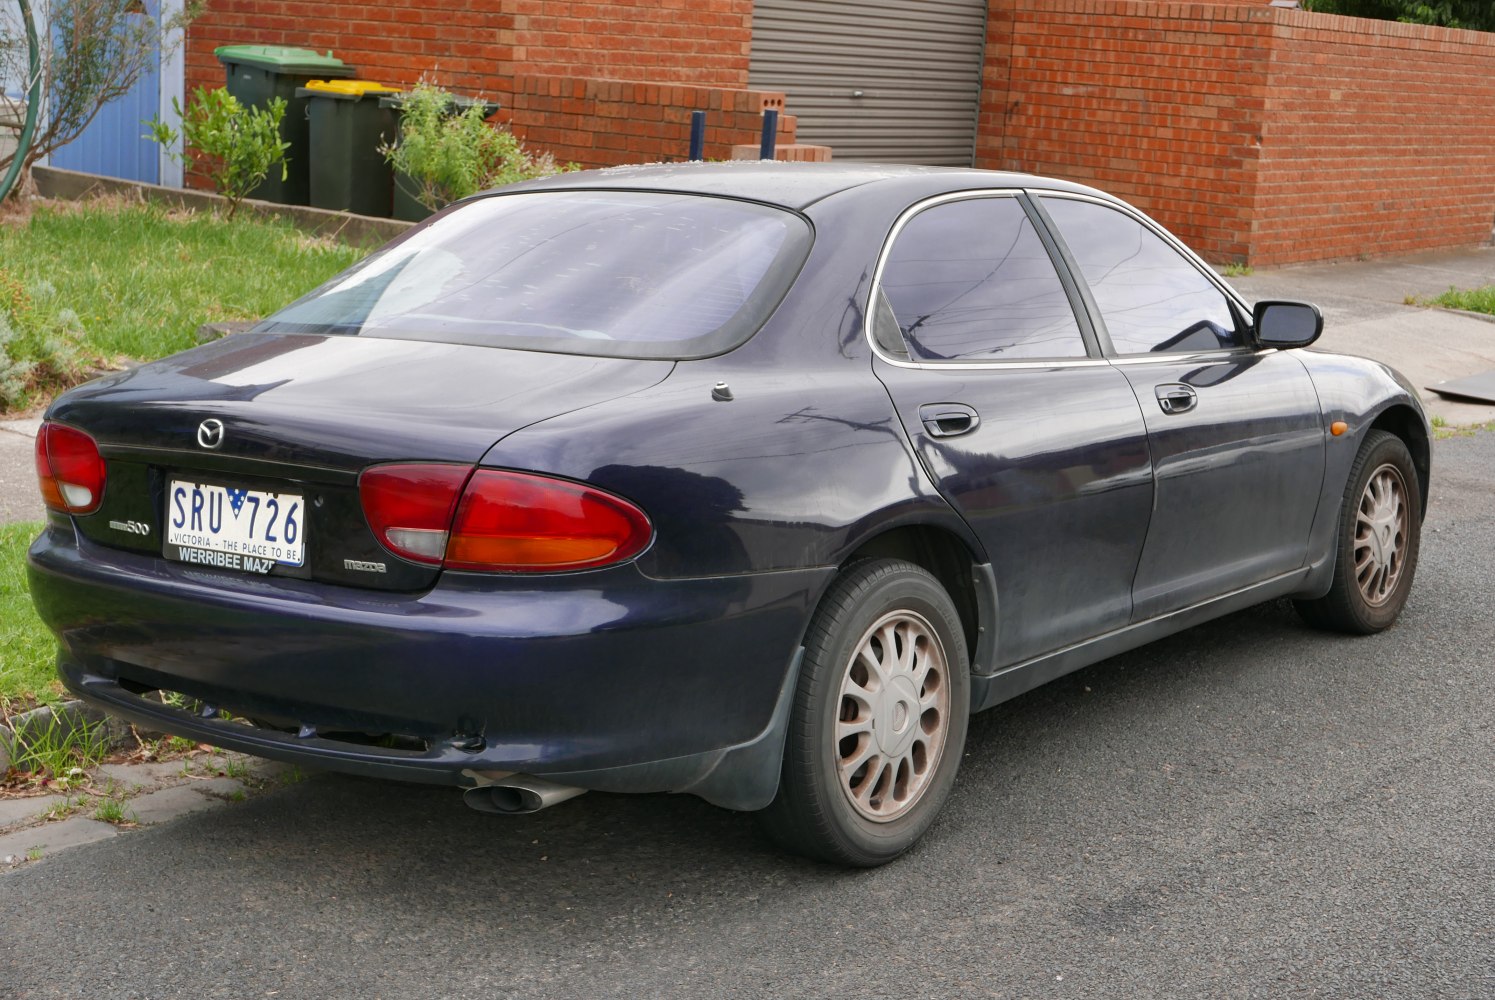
column 518, row 795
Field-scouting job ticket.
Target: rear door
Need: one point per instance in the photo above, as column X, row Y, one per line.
column 1235, row 433
column 1036, row 440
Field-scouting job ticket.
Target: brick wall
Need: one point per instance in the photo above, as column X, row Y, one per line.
column 703, row 42
column 463, row 50
column 1377, row 138
column 608, row 122
column 1257, row 134
column 596, row 83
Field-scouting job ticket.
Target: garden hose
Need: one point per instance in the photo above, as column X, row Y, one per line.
column 33, row 103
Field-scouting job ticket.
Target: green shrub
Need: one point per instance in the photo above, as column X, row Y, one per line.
column 449, row 155
column 236, row 145
column 39, row 342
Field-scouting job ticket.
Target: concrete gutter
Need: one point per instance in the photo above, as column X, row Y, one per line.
column 359, row 230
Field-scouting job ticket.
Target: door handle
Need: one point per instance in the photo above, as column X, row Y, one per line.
column 1175, row 397
column 944, row 420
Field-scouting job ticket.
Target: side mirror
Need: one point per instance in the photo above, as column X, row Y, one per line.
column 1287, row 324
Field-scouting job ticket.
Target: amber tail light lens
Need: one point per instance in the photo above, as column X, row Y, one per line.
column 492, row 520
column 69, row 469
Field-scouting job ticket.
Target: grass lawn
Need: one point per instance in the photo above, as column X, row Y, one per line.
column 27, row 649
column 1474, row 300
column 84, row 283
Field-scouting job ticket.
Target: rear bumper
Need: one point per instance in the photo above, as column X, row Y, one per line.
column 605, row 680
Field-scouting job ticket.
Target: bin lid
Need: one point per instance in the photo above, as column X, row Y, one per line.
column 346, row 88
column 284, row 58
column 459, row 103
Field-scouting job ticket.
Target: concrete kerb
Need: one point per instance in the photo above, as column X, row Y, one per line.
column 69, row 718
column 147, row 793
column 360, row 230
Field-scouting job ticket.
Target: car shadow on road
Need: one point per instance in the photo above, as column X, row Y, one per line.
column 395, row 837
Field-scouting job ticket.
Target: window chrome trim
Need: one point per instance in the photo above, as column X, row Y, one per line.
column 1185, row 357
column 882, row 258
column 940, row 366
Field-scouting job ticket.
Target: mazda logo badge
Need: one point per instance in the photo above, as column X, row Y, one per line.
column 210, row 433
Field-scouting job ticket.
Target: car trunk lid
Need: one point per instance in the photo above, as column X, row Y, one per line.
column 305, row 415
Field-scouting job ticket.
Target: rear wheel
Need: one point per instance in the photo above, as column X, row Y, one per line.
column 1379, row 536
column 879, row 719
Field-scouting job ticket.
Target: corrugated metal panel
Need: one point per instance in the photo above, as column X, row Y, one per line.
column 916, row 64
column 114, row 143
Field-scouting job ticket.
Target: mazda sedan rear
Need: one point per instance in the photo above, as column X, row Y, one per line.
column 746, row 481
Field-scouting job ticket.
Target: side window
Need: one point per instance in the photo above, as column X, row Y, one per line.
column 970, row 280
column 1151, row 298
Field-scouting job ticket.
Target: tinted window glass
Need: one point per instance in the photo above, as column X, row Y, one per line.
column 970, row 280
column 608, row 273
column 1151, row 298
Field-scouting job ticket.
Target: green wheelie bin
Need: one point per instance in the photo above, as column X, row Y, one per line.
column 257, row 74
column 349, row 124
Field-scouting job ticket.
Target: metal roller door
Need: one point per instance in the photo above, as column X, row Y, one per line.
column 890, row 80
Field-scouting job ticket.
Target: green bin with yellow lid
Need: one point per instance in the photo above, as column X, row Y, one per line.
column 348, row 173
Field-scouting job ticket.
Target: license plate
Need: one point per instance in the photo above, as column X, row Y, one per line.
column 234, row 528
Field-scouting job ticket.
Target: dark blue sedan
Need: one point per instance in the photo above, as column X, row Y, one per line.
column 751, row 481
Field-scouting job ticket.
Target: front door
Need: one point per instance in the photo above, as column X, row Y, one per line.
column 1236, row 439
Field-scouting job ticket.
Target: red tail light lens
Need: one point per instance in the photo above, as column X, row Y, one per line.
column 512, row 522
column 517, row 522
column 69, row 469
column 410, row 507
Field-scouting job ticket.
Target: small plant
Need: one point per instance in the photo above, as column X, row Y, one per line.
column 449, row 155
column 60, row 810
column 112, row 810
column 237, row 146
column 1236, row 269
column 57, row 754
column 34, row 854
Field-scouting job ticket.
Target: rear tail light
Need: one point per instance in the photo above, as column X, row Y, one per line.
column 410, row 507
column 490, row 520
column 69, row 469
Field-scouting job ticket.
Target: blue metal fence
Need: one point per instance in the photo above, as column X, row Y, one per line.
column 114, row 143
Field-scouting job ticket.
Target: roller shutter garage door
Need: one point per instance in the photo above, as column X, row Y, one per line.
column 896, row 81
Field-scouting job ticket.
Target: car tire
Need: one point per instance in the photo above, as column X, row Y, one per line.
column 879, row 719
column 1380, row 527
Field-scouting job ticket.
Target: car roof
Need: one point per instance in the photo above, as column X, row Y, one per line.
column 791, row 185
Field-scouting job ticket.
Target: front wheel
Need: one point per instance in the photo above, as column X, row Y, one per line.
column 879, row 719
column 1380, row 525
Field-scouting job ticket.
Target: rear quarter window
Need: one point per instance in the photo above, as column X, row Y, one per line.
column 603, row 273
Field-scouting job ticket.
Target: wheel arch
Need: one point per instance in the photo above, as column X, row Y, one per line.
column 1407, row 424
column 950, row 559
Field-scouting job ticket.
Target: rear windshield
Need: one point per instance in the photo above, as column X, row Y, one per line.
column 610, row 273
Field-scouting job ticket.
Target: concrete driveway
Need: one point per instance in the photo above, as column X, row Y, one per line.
column 19, row 499
column 1366, row 313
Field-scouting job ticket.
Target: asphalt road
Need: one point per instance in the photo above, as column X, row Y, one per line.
column 1250, row 809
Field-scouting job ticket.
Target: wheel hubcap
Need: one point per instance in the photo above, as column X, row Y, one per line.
column 1381, row 535
column 893, row 714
